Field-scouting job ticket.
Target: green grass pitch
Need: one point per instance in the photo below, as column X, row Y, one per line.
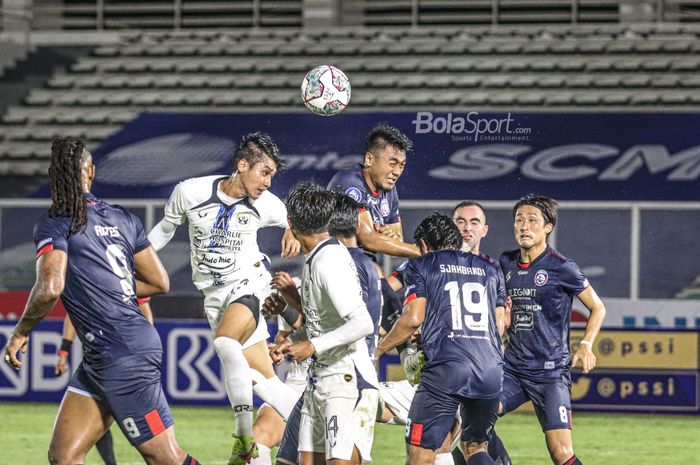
column 603, row 439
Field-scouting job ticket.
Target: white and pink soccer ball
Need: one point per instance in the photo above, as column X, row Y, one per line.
column 325, row 90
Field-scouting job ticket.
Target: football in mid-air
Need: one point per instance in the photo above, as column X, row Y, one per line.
column 325, row 90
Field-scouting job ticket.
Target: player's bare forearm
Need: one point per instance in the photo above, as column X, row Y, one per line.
column 151, row 277
column 501, row 320
column 381, row 243
column 407, row 324
column 590, row 299
column 50, row 280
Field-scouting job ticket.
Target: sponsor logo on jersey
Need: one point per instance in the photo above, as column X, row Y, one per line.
column 522, row 272
column 384, row 207
column 523, row 320
column 541, row 278
column 354, row 193
column 44, row 242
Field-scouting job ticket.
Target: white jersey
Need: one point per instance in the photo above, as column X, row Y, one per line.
column 223, row 230
column 330, row 291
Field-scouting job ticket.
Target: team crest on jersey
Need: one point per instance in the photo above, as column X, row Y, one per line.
column 354, row 193
column 541, row 278
column 243, row 219
column 384, row 207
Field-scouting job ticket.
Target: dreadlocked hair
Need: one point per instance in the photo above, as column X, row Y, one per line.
column 67, row 197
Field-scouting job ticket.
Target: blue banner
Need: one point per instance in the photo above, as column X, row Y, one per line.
column 191, row 373
column 638, row 391
column 569, row 156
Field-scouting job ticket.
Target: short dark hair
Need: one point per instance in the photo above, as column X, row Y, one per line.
column 383, row 134
column 468, row 203
column 546, row 205
column 254, row 146
column 439, row 232
column 309, row 207
column 345, row 217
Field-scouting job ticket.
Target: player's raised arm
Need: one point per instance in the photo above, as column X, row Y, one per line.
column 50, row 280
column 584, row 352
column 376, row 241
column 175, row 215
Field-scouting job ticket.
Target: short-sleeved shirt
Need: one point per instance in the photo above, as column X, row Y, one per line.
column 542, row 292
column 223, row 230
column 459, row 335
column 99, row 293
column 383, row 206
column 371, row 286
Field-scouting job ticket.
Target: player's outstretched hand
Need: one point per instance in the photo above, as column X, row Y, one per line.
column 274, row 305
column 587, row 357
column 16, row 344
column 290, row 246
column 300, row 351
column 61, row 364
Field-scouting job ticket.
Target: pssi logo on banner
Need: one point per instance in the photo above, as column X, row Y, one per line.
column 670, row 350
column 191, row 373
column 472, row 127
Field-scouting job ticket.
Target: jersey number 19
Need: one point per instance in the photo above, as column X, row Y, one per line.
column 471, row 310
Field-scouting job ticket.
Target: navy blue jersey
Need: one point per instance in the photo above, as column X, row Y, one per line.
column 371, row 293
column 542, row 293
column 382, row 206
column 459, row 335
column 99, row 293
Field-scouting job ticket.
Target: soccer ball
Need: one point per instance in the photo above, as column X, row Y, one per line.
column 325, row 90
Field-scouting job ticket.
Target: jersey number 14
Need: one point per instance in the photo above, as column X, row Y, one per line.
column 471, row 310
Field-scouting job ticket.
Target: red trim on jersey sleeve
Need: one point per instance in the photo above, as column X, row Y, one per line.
column 375, row 194
column 143, row 300
column 155, row 423
column 523, row 265
column 409, row 298
column 363, row 209
column 394, row 274
column 44, row 249
column 416, row 434
column 571, row 460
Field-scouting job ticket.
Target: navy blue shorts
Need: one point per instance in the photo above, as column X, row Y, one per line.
column 552, row 400
column 432, row 416
column 132, row 392
column 288, row 452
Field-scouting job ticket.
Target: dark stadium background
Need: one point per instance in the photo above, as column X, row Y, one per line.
column 602, row 97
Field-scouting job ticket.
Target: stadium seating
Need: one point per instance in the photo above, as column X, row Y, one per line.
column 518, row 67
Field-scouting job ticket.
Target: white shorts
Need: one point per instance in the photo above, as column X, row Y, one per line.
column 334, row 421
column 397, row 395
column 218, row 298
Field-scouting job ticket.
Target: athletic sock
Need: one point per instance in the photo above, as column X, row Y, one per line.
column 573, row 461
column 238, row 381
column 189, row 460
column 280, row 396
column 497, row 451
column 264, row 457
column 105, row 447
column 480, row 458
column 444, row 459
